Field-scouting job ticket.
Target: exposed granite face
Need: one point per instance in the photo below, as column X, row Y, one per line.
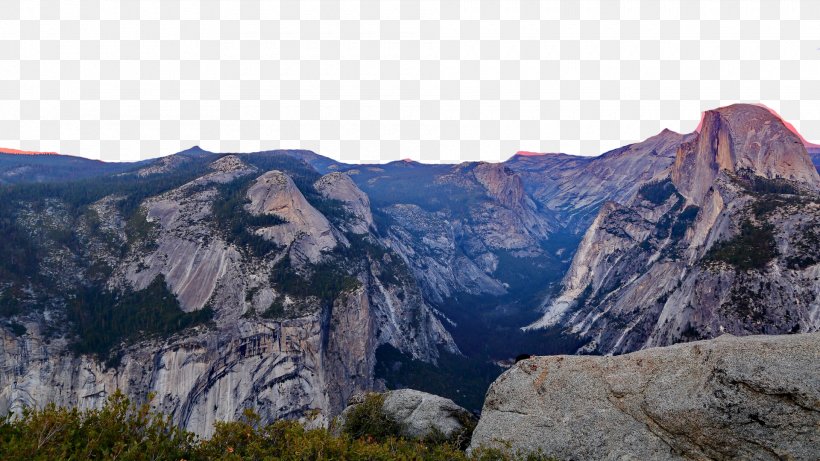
column 740, row 137
column 729, row 398
column 646, row 273
column 339, row 186
column 418, row 413
column 306, row 231
column 302, row 362
column 430, row 244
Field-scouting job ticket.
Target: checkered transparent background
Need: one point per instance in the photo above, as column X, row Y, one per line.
column 379, row 80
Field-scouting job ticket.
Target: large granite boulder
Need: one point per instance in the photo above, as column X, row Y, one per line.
column 755, row 397
column 418, row 414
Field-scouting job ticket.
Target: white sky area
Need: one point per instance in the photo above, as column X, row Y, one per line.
column 381, row 80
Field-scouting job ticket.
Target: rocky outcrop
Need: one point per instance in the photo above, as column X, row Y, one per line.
column 419, row 414
column 339, row 186
column 740, row 137
column 307, row 230
column 192, row 262
column 729, row 398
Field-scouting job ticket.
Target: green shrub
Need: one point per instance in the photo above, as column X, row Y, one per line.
column 763, row 185
column 368, row 420
column 120, row 430
column 17, row 328
column 325, row 280
column 275, row 310
column 684, row 221
column 124, row 431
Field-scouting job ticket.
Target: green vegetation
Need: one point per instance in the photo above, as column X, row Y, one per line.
column 20, row 256
column 325, row 280
column 751, row 249
column 393, row 270
column 10, row 304
column 767, row 204
column 276, row 310
column 761, row 185
column 124, row 431
column 119, row 430
column 103, row 319
column 690, row 333
column 746, row 303
column 657, row 192
column 138, row 229
column 17, row 328
column 368, row 419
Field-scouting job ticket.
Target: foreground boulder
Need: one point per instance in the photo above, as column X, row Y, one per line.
column 411, row 413
column 754, row 397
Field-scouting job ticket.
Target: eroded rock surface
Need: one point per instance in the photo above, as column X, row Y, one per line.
column 730, row 398
column 419, row 414
column 339, row 186
column 306, row 228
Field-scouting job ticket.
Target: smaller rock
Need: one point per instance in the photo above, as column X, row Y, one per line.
column 419, row 414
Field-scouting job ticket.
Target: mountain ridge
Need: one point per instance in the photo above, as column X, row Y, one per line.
column 668, row 264
column 275, row 280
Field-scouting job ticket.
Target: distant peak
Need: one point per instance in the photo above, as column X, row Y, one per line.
column 741, row 137
column 755, row 107
column 195, row 150
column 524, row 153
column 4, row 150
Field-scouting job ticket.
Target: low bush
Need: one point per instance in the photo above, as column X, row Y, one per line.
column 369, row 420
column 125, row 431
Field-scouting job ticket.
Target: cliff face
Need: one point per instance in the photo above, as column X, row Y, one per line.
column 728, row 398
column 300, row 300
column 726, row 242
column 740, row 138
